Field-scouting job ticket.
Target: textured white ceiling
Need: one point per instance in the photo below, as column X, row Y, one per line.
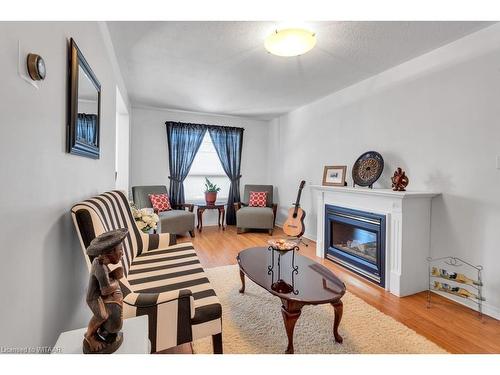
column 222, row 67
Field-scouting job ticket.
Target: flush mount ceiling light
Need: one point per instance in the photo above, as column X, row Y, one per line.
column 290, row 42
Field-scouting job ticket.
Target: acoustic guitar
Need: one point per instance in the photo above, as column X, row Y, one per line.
column 294, row 224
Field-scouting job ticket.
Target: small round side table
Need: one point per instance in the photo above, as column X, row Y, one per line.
column 217, row 206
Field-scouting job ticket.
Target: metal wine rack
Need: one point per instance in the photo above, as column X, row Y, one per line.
column 461, row 283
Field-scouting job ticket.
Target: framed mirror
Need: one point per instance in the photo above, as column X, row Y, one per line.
column 83, row 136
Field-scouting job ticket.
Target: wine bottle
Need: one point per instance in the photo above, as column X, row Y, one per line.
column 458, row 277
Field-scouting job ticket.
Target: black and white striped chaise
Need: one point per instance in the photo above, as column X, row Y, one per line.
column 162, row 279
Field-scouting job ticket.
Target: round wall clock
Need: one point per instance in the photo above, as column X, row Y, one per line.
column 36, row 67
column 367, row 169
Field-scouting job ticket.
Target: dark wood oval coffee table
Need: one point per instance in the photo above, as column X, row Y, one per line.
column 296, row 280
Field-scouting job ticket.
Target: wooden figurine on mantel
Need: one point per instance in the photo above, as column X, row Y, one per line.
column 104, row 295
column 399, row 180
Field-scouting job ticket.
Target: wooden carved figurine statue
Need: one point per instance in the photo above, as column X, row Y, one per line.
column 104, row 295
column 399, row 180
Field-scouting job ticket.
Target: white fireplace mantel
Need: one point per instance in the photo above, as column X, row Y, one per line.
column 408, row 218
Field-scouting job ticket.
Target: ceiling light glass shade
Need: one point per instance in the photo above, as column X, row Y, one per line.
column 290, row 42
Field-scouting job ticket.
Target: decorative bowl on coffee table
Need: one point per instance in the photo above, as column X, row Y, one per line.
column 282, row 245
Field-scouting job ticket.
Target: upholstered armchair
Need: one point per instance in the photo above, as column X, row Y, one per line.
column 256, row 217
column 179, row 220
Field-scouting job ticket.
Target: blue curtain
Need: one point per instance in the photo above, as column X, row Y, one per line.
column 86, row 128
column 184, row 140
column 228, row 142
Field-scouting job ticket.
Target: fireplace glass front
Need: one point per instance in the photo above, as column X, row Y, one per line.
column 356, row 240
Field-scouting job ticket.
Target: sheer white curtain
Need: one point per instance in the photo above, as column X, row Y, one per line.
column 206, row 164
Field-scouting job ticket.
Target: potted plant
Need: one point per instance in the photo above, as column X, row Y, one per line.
column 211, row 191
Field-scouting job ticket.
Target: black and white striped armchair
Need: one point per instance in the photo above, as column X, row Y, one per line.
column 161, row 279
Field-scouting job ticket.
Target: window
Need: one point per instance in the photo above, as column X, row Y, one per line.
column 206, row 164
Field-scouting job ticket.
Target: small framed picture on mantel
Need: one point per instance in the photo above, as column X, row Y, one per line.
column 334, row 175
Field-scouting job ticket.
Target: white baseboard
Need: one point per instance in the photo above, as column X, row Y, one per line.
column 491, row 311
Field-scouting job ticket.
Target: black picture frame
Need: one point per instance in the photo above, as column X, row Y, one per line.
column 84, row 143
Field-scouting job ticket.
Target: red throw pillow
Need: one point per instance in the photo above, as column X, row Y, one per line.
column 257, row 199
column 160, row 202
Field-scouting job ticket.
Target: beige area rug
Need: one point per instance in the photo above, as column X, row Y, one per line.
column 252, row 324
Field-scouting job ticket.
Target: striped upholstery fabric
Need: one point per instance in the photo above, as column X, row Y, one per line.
column 161, row 279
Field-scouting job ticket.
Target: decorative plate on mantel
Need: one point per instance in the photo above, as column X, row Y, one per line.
column 367, row 169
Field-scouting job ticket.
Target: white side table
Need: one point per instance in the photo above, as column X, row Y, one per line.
column 135, row 339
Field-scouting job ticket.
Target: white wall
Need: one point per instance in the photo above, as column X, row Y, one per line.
column 149, row 152
column 122, row 160
column 437, row 117
column 42, row 272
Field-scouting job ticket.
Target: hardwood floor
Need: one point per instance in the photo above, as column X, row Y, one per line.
column 452, row 326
